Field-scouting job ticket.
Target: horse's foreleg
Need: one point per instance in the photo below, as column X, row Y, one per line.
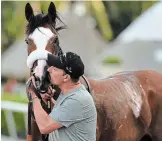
column 33, row 130
column 29, row 138
column 29, row 135
column 36, row 135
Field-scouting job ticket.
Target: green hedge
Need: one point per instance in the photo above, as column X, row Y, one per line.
column 112, row 60
column 18, row 117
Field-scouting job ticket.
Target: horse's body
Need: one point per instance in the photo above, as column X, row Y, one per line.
column 129, row 104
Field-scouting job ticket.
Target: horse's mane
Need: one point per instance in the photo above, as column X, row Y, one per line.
column 41, row 20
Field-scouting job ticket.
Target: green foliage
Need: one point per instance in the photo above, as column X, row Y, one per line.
column 147, row 4
column 4, row 129
column 98, row 11
column 20, row 123
column 18, row 117
column 112, row 60
column 119, row 15
column 13, row 22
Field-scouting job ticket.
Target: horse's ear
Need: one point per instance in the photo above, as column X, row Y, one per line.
column 28, row 12
column 52, row 12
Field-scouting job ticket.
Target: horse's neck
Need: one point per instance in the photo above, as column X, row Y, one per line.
column 89, row 83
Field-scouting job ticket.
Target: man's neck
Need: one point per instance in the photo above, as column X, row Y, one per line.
column 70, row 86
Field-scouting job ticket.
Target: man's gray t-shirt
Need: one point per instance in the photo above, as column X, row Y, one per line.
column 76, row 111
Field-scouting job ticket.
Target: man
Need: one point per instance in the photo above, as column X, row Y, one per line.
column 74, row 116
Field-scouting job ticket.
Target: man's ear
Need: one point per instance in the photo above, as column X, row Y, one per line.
column 66, row 77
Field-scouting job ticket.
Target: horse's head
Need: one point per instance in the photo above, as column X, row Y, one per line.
column 41, row 35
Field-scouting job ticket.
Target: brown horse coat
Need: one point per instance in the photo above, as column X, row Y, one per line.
column 129, row 105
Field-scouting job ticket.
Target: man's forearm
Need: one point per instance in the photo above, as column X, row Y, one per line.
column 42, row 118
column 44, row 121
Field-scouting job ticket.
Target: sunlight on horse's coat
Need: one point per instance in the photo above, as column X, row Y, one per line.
column 135, row 101
column 41, row 36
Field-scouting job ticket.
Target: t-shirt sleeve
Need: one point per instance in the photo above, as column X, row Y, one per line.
column 70, row 111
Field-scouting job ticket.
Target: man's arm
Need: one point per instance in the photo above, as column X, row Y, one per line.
column 45, row 123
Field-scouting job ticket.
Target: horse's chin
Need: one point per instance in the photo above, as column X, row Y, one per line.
column 42, row 86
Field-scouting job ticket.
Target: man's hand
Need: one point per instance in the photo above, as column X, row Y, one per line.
column 45, row 97
column 49, row 96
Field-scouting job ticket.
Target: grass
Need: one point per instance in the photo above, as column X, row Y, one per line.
column 18, row 117
column 14, row 97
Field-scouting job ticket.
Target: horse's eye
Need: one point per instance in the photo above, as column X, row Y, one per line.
column 27, row 42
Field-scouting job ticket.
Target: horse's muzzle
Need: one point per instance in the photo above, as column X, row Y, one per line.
column 43, row 83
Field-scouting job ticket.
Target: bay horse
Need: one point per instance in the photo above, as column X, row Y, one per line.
column 129, row 104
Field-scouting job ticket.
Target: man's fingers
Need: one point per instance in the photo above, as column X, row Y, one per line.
column 53, row 101
column 47, row 96
column 51, row 91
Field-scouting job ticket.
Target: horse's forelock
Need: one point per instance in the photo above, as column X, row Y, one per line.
column 42, row 20
column 39, row 20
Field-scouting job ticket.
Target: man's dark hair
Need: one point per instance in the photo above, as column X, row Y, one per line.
column 74, row 80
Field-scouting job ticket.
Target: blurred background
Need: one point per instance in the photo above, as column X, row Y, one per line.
column 110, row 36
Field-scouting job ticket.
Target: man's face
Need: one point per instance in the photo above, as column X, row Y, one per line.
column 56, row 75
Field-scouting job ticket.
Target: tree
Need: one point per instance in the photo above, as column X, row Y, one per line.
column 13, row 22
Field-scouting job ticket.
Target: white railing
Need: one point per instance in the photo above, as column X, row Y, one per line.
column 9, row 107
